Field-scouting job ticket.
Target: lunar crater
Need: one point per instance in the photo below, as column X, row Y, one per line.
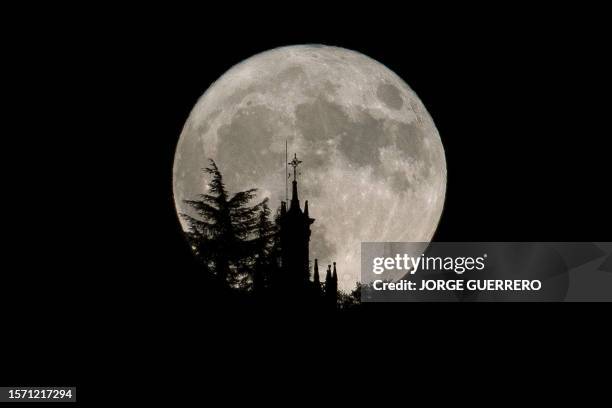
column 390, row 96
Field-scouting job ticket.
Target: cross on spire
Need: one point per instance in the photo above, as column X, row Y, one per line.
column 295, row 163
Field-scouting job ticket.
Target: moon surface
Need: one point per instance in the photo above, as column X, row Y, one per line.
column 373, row 166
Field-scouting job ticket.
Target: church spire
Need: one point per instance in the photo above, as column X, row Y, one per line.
column 295, row 201
column 335, row 279
column 316, row 278
column 330, row 291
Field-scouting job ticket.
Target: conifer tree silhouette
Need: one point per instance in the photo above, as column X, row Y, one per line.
column 263, row 249
column 240, row 247
column 222, row 235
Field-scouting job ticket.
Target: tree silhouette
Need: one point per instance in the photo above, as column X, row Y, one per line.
column 351, row 300
column 223, row 235
column 240, row 247
column 263, row 249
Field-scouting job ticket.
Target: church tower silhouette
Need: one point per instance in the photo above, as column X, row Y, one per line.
column 295, row 225
column 295, row 237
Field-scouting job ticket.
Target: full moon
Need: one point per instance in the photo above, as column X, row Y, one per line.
column 373, row 166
